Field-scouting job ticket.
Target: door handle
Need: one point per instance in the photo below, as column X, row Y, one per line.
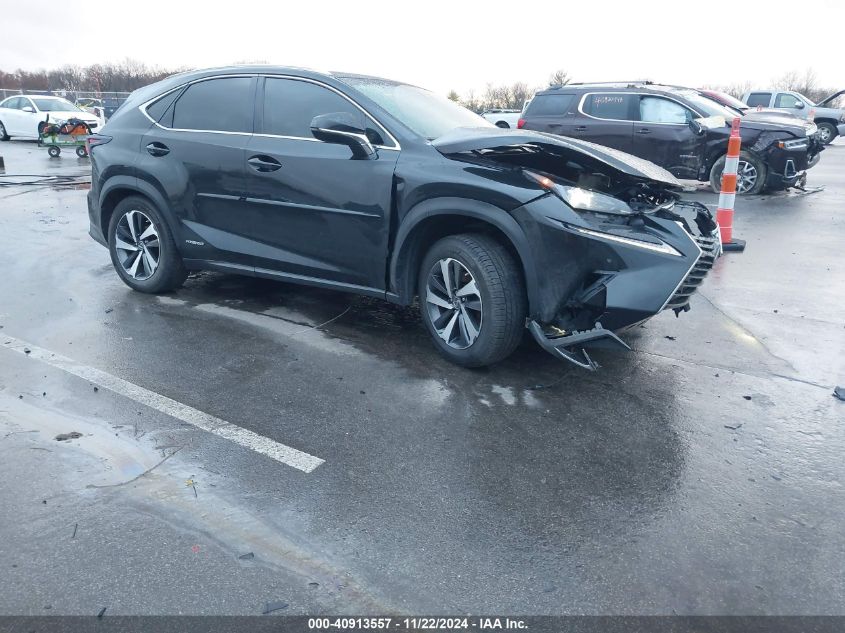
column 263, row 163
column 580, row 128
column 644, row 130
column 158, row 149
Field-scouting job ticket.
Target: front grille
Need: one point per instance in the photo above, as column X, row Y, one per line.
column 710, row 248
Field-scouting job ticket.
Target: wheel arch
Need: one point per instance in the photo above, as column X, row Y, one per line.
column 121, row 187
column 436, row 218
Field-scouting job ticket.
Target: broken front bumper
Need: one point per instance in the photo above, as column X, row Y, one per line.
column 589, row 287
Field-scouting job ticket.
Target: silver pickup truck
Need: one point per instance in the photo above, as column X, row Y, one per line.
column 830, row 121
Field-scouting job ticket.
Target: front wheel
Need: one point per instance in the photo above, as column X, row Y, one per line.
column 472, row 299
column 750, row 175
column 142, row 249
column 827, row 132
column 54, row 151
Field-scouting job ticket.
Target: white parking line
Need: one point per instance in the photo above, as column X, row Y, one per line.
column 258, row 443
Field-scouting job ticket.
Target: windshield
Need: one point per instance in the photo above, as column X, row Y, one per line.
column 426, row 113
column 55, row 105
column 707, row 105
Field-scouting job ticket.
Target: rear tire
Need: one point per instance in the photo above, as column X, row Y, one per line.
column 3, row 135
column 749, row 166
column 479, row 318
column 827, row 132
column 160, row 267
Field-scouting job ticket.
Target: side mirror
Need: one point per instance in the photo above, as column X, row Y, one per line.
column 29, row 109
column 696, row 126
column 800, row 105
column 343, row 128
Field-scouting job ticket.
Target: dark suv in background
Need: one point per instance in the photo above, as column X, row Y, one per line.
column 380, row 188
column 676, row 128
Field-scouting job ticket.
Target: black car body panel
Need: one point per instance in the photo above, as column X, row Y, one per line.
column 295, row 208
column 676, row 146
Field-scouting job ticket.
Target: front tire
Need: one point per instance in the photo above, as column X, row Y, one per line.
column 750, row 178
column 472, row 299
column 827, row 132
column 142, row 248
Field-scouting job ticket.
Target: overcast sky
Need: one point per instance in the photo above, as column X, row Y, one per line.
column 444, row 45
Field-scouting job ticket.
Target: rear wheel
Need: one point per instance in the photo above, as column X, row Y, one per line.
column 142, row 249
column 750, row 174
column 472, row 299
column 827, row 132
column 3, row 135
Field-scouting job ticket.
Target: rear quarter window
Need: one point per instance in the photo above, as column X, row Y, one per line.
column 759, row 99
column 550, row 105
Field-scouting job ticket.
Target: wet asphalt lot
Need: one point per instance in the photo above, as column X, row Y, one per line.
column 532, row 487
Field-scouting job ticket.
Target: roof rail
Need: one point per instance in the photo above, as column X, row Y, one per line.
column 646, row 82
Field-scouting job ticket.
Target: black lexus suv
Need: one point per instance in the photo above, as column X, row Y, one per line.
column 676, row 128
column 384, row 189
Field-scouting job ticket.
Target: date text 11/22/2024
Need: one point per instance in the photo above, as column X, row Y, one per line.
column 416, row 624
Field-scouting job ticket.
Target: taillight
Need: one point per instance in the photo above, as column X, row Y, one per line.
column 96, row 139
column 520, row 124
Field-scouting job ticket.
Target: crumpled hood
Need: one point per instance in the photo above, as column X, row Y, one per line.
column 478, row 139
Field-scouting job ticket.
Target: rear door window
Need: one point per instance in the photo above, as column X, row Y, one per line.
column 550, row 105
column 610, row 105
column 220, row 105
column 291, row 104
column 759, row 99
column 660, row 110
column 786, row 100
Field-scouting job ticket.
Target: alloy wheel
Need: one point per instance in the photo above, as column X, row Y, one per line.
column 453, row 302
column 136, row 242
column 824, row 134
column 746, row 176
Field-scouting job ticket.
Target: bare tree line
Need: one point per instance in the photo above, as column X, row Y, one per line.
column 513, row 96
column 124, row 76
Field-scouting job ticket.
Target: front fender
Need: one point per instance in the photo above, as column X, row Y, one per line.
column 409, row 239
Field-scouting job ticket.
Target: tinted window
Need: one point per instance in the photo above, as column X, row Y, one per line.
column 787, row 101
column 608, row 106
column 658, row 110
column 161, row 110
column 217, row 104
column 289, row 106
column 549, row 105
column 759, row 99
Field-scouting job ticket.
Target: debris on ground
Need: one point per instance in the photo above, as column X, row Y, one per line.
column 747, row 397
column 269, row 607
column 109, row 310
column 96, row 389
column 839, row 393
column 671, row 338
column 102, row 612
column 192, row 483
column 26, row 350
column 247, row 556
column 75, row 527
column 65, row 437
column 733, row 426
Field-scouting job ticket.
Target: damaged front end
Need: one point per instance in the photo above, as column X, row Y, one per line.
column 613, row 243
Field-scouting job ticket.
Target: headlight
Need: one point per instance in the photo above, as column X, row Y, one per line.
column 583, row 199
column 798, row 143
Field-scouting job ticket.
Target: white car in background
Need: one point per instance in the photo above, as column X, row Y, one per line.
column 24, row 115
column 501, row 117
